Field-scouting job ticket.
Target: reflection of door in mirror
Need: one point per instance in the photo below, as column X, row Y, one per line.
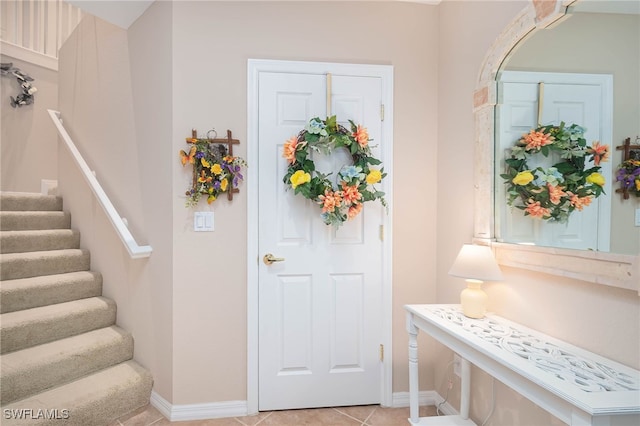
column 523, row 104
column 593, row 43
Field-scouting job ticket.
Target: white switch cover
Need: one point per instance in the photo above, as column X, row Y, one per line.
column 637, row 217
column 203, row 222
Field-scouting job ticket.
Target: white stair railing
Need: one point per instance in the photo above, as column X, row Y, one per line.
column 34, row 30
column 135, row 251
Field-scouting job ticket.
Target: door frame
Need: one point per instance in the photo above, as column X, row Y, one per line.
column 254, row 68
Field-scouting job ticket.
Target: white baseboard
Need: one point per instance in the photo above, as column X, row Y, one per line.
column 401, row 399
column 211, row 410
column 215, row 410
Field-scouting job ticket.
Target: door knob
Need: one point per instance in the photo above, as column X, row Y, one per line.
column 268, row 259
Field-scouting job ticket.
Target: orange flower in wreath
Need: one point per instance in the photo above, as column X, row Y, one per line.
column 536, row 210
column 361, row 136
column 289, row 151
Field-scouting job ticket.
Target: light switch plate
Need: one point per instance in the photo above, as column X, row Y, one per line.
column 637, row 217
column 203, row 222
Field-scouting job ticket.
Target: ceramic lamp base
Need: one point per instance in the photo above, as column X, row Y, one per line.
column 474, row 300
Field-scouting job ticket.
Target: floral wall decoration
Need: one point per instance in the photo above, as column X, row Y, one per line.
column 354, row 184
column 628, row 173
column 24, row 80
column 553, row 193
column 215, row 169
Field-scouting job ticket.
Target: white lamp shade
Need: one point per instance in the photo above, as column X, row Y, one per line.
column 476, row 262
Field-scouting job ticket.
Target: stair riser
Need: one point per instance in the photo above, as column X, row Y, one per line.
column 28, row 332
column 33, row 202
column 22, row 221
column 113, row 394
column 26, row 241
column 27, row 293
column 61, row 363
column 16, row 267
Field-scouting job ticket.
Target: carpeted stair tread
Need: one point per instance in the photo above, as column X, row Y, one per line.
column 31, row 220
column 50, row 262
column 64, row 361
column 27, row 293
column 30, row 327
column 38, row 240
column 21, row 201
column 36, row 369
column 97, row 399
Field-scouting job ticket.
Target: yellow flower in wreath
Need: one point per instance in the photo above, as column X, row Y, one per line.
column 596, row 179
column 223, row 184
column 523, row 178
column 374, row 176
column 300, row 177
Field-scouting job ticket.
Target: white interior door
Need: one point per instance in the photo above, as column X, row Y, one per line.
column 320, row 323
column 573, row 98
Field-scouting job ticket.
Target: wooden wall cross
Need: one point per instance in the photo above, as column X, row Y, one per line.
column 626, row 149
column 229, row 141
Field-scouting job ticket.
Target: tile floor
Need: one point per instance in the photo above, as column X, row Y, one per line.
column 369, row 415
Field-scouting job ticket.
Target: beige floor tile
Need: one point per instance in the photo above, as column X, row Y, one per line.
column 360, row 412
column 389, row 417
column 373, row 415
column 315, row 417
column 396, row 416
column 253, row 420
column 143, row 416
column 230, row 421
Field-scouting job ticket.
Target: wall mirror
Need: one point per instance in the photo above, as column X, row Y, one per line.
column 559, row 39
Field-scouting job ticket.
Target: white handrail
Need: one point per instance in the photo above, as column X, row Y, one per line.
column 135, row 251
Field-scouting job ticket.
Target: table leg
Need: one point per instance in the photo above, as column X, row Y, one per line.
column 413, row 370
column 465, row 388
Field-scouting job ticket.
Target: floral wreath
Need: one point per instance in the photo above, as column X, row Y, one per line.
column 214, row 171
column 629, row 176
column 554, row 193
column 354, row 183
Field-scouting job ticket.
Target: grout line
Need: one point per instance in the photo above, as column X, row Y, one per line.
column 240, row 421
column 351, row 417
column 265, row 417
column 369, row 416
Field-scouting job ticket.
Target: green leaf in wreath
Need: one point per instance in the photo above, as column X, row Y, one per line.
column 332, row 124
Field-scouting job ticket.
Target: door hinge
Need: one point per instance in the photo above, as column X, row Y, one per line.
column 381, row 352
column 381, row 232
column 381, row 112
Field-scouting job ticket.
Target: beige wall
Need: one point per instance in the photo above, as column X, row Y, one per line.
column 98, row 109
column 212, row 43
column 607, row 44
column 601, row 319
column 151, row 64
column 28, row 140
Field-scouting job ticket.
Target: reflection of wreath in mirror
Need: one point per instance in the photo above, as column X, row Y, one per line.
column 553, row 193
column 354, row 183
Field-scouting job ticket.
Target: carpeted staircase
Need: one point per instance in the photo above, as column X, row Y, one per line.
column 63, row 359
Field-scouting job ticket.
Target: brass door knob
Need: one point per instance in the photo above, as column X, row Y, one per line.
column 268, row 259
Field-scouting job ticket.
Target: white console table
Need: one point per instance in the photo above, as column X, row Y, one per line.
column 576, row 386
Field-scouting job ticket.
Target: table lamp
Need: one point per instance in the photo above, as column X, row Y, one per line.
column 475, row 264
